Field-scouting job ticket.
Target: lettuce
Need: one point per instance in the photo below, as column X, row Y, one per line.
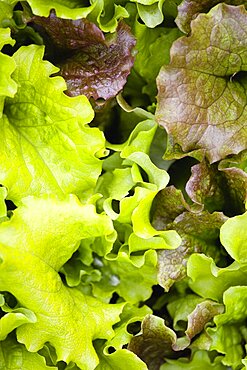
column 123, row 185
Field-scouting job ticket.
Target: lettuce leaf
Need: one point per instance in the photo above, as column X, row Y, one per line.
column 46, row 146
column 153, row 46
column 104, row 13
column 234, row 170
column 14, row 356
column 199, row 231
column 8, row 86
column 210, row 281
column 154, row 342
column 64, row 315
column 201, row 99
column 90, row 64
column 226, row 337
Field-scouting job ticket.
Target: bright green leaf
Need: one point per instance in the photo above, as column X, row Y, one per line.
column 31, row 250
column 233, row 237
column 46, row 147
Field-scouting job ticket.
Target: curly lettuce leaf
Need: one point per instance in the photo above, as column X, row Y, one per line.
column 201, row 99
column 105, row 13
column 206, row 186
column 46, row 145
column 190, row 9
column 150, row 11
column 194, row 313
column 131, row 316
column 210, row 281
column 40, row 237
column 14, row 356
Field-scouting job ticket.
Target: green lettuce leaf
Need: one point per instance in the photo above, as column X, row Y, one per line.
column 39, row 238
column 118, row 359
column 13, row 318
column 150, row 43
column 210, row 281
column 131, row 282
column 201, row 99
column 233, row 238
column 3, row 208
column 8, row 86
column 90, row 64
column 14, row 356
column 150, row 11
column 226, row 337
column 105, row 13
column 189, row 9
column 46, row 147
column 130, row 318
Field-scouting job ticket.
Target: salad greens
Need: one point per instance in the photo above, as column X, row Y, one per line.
column 123, row 185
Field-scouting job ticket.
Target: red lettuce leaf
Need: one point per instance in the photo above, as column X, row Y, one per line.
column 202, row 92
column 91, row 64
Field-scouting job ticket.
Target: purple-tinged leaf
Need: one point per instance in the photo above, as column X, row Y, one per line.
column 69, row 34
column 205, row 186
column 203, row 313
column 91, row 64
column 235, row 171
column 202, row 95
column 198, row 229
column 154, row 343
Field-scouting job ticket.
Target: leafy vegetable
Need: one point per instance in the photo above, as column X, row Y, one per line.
column 122, row 196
